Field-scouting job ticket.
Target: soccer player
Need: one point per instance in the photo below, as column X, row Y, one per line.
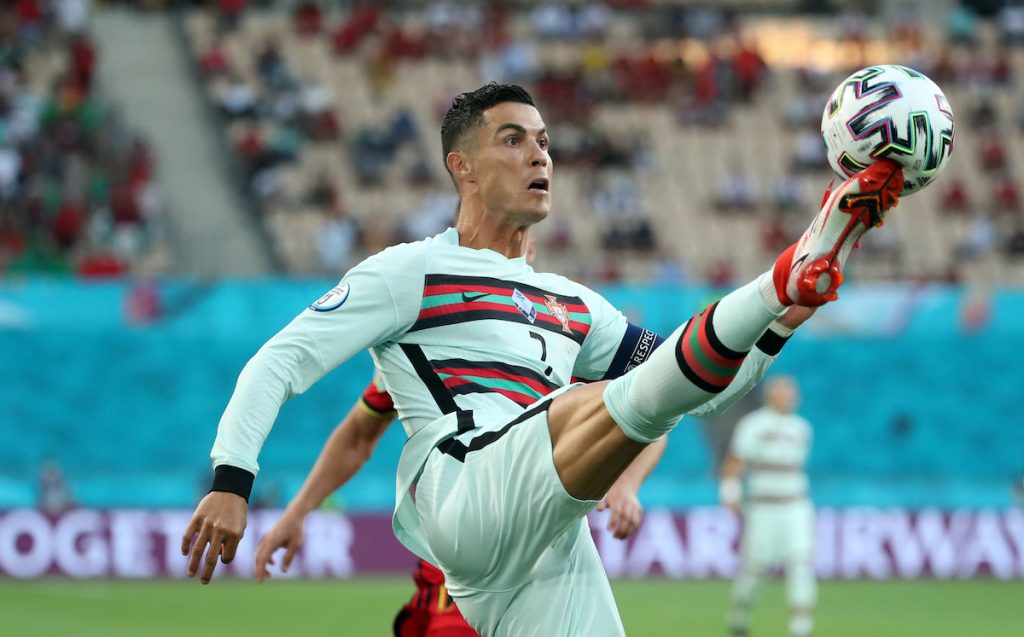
column 770, row 445
column 431, row 612
column 507, row 454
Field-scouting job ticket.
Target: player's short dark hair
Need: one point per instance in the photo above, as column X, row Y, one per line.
column 467, row 111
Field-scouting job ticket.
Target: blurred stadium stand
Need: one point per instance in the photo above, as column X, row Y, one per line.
column 297, row 137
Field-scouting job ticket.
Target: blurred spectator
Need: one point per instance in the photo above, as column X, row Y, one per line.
column 516, row 62
column 1011, row 23
column 435, row 214
column 30, row 21
column 83, row 62
column 325, row 194
column 983, row 112
column 1002, row 71
column 10, row 169
column 748, row 68
column 774, row 236
column 71, row 15
column 944, row 70
column 229, row 14
column 1005, row 194
column 553, row 20
column 593, row 19
column 962, row 24
column 616, row 201
column 736, row 190
column 980, row 238
column 853, row 26
column 67, row 225
column 322, row 126
column 609, row 271
column 720, row 275
column 308, row 19
column 1014, row 246
column 214, row 61
column 786, row 196
column 560, row 235
column 237, row 99
column 993, row 153
column 955, row 197
column 337, row 240
column 809, row 155
column 361, row 22
column 421, row 173
column 271, row 65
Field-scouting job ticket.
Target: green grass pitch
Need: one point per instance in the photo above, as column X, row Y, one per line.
column 364, row 608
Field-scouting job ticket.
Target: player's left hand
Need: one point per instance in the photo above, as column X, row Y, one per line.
column 626, row 510
column 218, row 523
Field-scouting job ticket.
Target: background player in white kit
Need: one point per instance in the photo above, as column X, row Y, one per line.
column 770, row 447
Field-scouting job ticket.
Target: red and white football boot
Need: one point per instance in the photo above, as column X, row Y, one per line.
column 811, row 270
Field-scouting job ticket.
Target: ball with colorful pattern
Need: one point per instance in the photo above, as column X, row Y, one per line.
column 893, row 112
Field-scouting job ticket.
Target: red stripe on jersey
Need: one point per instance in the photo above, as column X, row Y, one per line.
column 436, row 290
column 454, row 308
column 495, row 373
column 514, row 396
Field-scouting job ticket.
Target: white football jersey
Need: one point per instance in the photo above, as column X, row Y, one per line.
column 773, row 447
column 452, row 330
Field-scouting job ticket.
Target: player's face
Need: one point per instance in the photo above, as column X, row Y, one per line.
column 511, row 165
column 783, row 395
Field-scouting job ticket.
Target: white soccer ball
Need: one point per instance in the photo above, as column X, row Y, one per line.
column 889, row 111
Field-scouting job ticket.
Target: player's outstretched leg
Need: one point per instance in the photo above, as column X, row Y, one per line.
column 696, row 362
column 595, row 440
column 701, row 358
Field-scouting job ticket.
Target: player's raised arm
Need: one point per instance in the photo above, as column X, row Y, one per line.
column 374, row 301
column 347, row 449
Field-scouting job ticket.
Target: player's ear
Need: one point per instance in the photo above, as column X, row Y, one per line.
column 458, row 164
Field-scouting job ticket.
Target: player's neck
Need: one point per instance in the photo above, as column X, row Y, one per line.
column 504, row 237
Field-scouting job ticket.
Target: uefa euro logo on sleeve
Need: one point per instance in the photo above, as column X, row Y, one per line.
column 333, row 299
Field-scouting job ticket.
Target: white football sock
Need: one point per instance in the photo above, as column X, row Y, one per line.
column 699, row 360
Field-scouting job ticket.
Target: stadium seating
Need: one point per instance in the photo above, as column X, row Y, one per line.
column 683, row 164
column 78, row 189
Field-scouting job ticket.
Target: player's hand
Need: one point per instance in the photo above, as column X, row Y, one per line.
column 626, row 511
column 795, row 316
column 217, row 527
column 732, row 506
column 286, row 533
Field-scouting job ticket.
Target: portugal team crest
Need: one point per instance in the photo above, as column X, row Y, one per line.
column 559, row 311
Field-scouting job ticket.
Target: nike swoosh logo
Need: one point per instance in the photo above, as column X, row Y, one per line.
column 792, row 269
column 476, row 297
